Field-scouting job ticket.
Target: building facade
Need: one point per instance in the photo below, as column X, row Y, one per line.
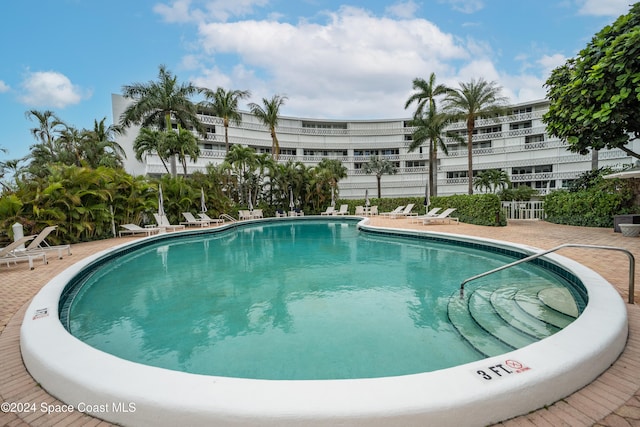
column 516, row 143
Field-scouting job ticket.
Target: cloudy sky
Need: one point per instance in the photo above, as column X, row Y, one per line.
column 350, row 59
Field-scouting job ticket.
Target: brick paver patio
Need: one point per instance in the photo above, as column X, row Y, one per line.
column 613, row 399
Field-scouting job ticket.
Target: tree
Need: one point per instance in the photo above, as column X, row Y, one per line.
column 182, row 144
column 430, row 127
column 337, row 171
column 474, row 100
column 594, row 98
column 224, row 104
column 244, row 162
column 268, row 115
column 379, row 167
column 157, row 103
column 430, row 124
column 151, row 141
column 100, row 147
column 492, row 180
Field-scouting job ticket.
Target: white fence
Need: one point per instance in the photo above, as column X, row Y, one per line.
column 523, row 210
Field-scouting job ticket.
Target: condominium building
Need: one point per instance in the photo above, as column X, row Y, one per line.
column 516, row 143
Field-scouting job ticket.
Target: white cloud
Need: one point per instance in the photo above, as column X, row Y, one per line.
column 4, row 87
column 203, row 10
column 549, row 62
column 404, row 10
column 603, row 8
column 354, row 65
column 50, row 88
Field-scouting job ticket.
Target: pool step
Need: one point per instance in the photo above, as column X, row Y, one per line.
column 496, row 318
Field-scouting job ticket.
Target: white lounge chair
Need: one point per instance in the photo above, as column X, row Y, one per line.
column 134, row 229
column 191, row 220
column 163, row 222
column 256, row 213
column 206, row 217
column 244, row 214
column 330, row 210
column 404, row 212
column 359, row 210
column 393, row 212
column 418, row 219
column 344, row 210
column 39, row 244
column 12, row 253
column 444, row 216
column 373, row 210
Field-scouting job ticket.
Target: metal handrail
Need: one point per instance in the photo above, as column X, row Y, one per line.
column 632, row 265
column 227, row 217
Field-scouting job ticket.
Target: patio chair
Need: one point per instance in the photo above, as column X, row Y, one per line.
column 39, row 244
column 330, row 210
column 206, row 217
column 418, row 219
column 244, row 214
column 134, row 229
column 359, row 210
column 444, row 216
column 393, row 212
column 373, row 210
column 192, row 221
column 404, row 212
column 163, row 222
column 344, row 210
column 13, row 252
column 257, row 213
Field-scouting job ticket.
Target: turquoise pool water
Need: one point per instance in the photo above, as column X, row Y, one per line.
column 286, row 300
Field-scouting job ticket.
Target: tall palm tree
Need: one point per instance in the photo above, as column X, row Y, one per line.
column 224, row 104
column 156, row 103
column 268, row 115
column 243, row 161
column 475, row 100
column 430, row 127
column 100, row 147
column 430, row 124
column 182, row 144
column 379, row 167
column 427, row 91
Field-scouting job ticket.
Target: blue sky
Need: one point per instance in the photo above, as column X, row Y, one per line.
column 350, row 59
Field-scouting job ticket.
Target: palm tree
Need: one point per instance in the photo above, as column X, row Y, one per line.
column 337, row 171
column 224, row 104
column 156, row 103
column 430, row 124
column 430, row 127
column 48, row 124
column 492, row 180
column 151, row 141
column 379, row 167
column 101, row 149
column 269, row 117
column 182, row 144
column 426, row 91
column 244, row 162
column 472, row 101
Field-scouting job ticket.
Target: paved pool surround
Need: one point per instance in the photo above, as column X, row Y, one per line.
column 474, row 394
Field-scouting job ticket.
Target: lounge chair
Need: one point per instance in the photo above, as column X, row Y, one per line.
column 373, row 210
column 39, row 244
column 344, row 210
column 163, row 222
column 13, row 253
column 191, row 220
column 134, row 229
column 359, row 210
column 256, row 213
column 404, row 213
column 444, row 216
column 244, row 214
column 296, row 212
column 418, row 219
column 393, row 212
column 330, row 210
column 206, row 217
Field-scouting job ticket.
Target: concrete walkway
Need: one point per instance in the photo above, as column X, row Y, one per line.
column 613, row 399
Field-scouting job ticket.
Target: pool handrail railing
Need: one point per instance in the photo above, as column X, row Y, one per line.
column 632, row 264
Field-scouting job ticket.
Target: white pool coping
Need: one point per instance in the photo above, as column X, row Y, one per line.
column 132, row 394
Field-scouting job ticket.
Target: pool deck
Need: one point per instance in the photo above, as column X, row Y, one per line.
column 613, row 399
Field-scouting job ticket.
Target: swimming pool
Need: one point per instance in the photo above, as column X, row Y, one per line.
column 452, row 396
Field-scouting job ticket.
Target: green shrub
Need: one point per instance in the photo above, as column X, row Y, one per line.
column 478, row 209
